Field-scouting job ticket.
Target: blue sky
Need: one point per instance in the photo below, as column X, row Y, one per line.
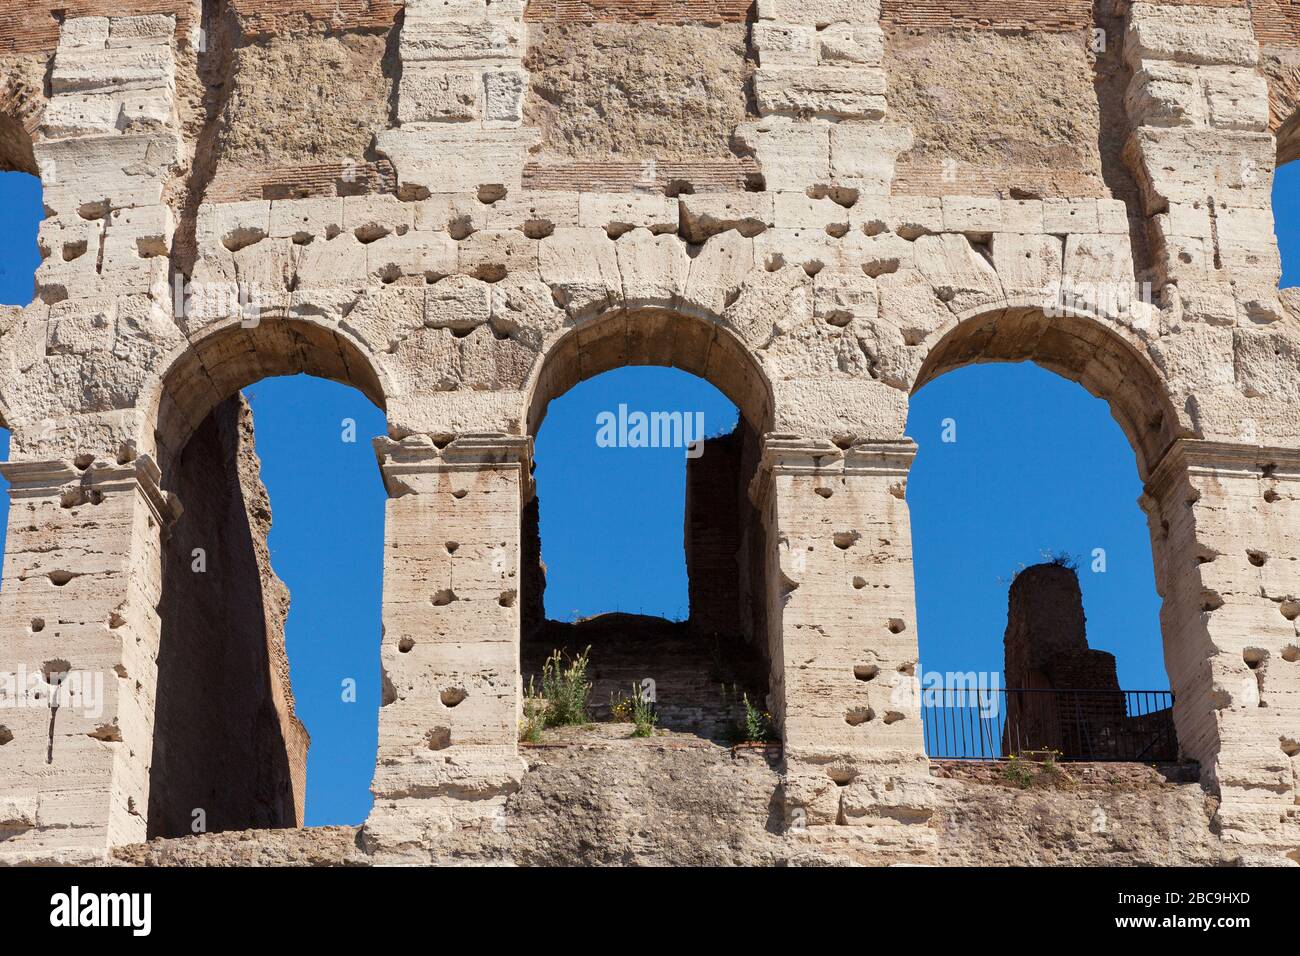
column 1038, row 465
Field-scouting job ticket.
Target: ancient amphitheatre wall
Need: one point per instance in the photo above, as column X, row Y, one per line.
column 811, row 204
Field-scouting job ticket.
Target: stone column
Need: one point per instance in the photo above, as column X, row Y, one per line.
column 1225, row 522
column 843, row 608
column 78, row 629
column 449, row 724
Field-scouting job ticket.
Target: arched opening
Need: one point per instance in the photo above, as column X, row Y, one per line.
column 646, row 473
column 1286, row 216
column 20, row 218
column 231, row 728
column 1040, row 618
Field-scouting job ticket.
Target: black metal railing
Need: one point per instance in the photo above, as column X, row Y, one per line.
column 983, row 724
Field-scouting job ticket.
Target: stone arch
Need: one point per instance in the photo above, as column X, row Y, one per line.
column 652, row 336
column 1079, row 347
column 1107, row 362
column 228, row 356
column 721, row 518
column 226, row 734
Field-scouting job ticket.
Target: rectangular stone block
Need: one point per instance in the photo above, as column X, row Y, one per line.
column 824, row 91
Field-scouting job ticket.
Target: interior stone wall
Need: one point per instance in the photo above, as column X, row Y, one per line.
column 226, row 739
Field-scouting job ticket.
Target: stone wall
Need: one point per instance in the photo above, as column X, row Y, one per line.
column 823, row 223
column 226, row 739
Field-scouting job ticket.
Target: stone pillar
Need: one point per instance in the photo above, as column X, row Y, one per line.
column 1225, row 522
column 449, row 724
column 843, row 608
column 78, row 629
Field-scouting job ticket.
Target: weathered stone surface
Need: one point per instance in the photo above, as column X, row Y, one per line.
column 464, row 218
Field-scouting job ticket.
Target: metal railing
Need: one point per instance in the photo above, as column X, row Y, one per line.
column 963, row 723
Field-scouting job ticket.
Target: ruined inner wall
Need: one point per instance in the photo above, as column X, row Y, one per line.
column 438, row 204
column 226, row 739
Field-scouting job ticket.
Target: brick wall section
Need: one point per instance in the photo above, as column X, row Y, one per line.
column 304, row 181
column 713, row 490
column 33, row 28
column 1061, row 16
column 1277, row 22
column 639, row 11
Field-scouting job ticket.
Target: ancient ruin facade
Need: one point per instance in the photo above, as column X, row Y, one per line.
column 465, row 207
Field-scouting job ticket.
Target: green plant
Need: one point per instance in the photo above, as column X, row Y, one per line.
column 566, row 688
column 620, row 708
column 643, row 713
column 1019, row 771
column 534, row 722
column 759, row 726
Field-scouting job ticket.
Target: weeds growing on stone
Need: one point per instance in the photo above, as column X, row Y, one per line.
column 566, row 688
column 759, row 728
column 643, row 713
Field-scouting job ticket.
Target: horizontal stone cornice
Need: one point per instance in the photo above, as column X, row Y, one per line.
column 1190, row 457
column 420, row 455
column 49, row 478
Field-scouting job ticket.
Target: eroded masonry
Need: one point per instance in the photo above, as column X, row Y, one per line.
column 463, row 208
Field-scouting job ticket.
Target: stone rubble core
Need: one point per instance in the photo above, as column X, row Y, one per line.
column 811, row 267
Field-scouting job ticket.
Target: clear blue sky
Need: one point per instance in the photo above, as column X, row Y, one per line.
column 1038, row 465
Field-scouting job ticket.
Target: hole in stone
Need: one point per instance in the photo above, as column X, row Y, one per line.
column 859, row 715
column 1211, row 601
column 824, row 492
column 452, row 696
column 774, row 262
column 94, row 210
column 1257, row 558
column 490, row 272
column 1291, row 653
column 405, row 644
column 460, row 228
column 896, row 626
column 813, row 266
column 371, row 232
column 859, row 582
column 439, row 738
column 837, row 230
column 842, row 776
column 444, row 597
column 459, row 493
column 866, row 671
column 893, row 716
column 1271, row 496
column 507, row 599
column 451, row 546
column 55, row 671
column 846, row 539
column 538, row 228
column 84, row 461
column 1290, row 609
column 74, row 250
column 60, row 578
column 1254, row 656
column 489, row 193
column 6, row 735
column 241, row 238
column 38, row 625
